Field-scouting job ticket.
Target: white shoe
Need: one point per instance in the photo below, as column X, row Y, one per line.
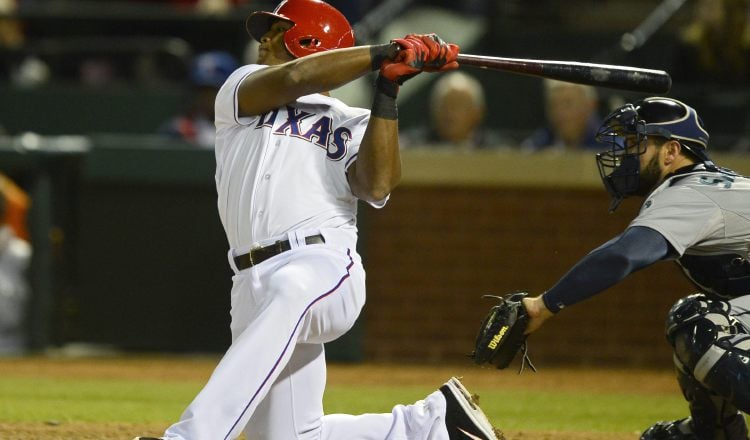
column 463, row 417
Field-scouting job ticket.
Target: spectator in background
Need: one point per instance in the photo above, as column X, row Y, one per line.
column 572, row 112
column 208, row 72
column 16, row 65
column 457, row 110
column 11, row 32
column 15, row 204
column 715, row 47
column 15, row 255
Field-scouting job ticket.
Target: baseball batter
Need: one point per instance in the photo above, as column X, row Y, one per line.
column 698, row 215
column 291, row 164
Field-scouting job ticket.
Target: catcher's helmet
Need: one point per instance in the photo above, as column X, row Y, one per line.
column 626, row 130
column 316, row 26
column 211, row 69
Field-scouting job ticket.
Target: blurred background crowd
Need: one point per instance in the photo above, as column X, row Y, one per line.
column 164, row 57
column 148, row 70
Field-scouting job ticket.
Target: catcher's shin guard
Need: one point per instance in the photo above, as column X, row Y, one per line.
column 712, row 346
column 713, row 369
column 712, row 416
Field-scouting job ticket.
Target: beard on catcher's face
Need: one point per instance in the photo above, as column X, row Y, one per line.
column 649, row 176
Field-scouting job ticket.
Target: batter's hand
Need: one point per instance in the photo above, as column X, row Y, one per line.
column 418, row 53
column 538, row 313
column 413, row 51
column 398, row 72
column 441, row 56
column 408, row 61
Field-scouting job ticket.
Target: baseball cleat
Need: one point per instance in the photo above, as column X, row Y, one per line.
column 463, row 417
column 674, row 430
column 149, row 438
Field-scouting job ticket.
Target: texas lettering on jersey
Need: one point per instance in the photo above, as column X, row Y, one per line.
column 335, row 140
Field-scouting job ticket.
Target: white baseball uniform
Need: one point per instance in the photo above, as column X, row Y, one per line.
column 282, row 176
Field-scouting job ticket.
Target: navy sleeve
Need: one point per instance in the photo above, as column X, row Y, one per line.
column 607, row 265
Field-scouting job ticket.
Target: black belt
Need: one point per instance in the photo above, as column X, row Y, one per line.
column 259, row 255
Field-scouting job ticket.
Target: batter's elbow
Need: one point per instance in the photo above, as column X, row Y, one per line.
column 380, row 192
column 376, row 193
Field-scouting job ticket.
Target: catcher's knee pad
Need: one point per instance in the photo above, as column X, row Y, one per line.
column 712, row 346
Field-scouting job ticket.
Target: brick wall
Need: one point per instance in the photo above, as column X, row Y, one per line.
column 435, row 250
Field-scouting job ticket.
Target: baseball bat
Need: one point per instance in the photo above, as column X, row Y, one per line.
column 602, row 75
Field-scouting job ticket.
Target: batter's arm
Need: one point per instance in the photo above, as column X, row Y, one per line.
column 281, row 84
column 377, row 170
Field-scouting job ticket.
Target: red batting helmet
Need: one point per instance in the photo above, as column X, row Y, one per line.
column 316, row 26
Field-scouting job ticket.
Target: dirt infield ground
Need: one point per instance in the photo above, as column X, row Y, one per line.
column 483, row 381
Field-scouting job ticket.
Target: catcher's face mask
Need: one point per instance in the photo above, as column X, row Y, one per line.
column 627, row 130
column 619, row 167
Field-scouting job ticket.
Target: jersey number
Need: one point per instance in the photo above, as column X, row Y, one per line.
column 726, row 181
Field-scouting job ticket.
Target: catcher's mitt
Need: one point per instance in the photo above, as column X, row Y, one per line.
column 502, row 336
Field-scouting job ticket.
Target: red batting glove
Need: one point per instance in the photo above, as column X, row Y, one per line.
column 419, row 53
column 448, row 59
column 397, row 71
column 413, row 52
column 441, row 56
column 408, row 61
column 431, row 42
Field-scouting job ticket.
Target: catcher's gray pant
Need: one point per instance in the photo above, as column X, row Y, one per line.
column 270, row 382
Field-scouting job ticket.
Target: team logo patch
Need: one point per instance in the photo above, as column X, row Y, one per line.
column 318, row 130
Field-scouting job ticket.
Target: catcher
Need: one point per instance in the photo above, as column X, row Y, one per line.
column 696, row 214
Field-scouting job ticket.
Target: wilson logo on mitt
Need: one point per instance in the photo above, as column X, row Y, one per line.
column 501, row 335
column 497, row 338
